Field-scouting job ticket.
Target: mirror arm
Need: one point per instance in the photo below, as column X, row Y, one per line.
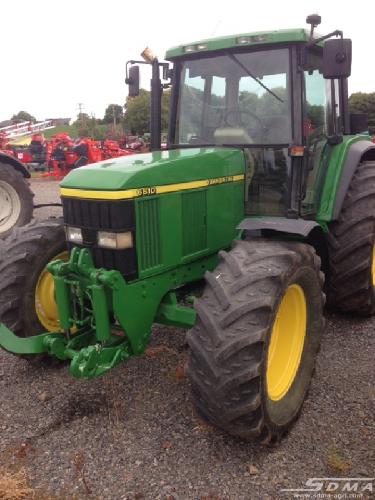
column 325, row 37
column 167, row 71
column 311, row 43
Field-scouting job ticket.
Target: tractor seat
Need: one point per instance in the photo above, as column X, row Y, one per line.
column 232, row 135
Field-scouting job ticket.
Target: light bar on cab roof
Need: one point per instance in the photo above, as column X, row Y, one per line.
column 194, row 48
column 243, row 40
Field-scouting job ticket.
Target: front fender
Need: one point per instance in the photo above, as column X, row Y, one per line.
column 300, row 227
column 19, row 166
column 344, row 160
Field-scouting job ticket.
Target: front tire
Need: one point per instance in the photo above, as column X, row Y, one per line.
column 240, row 352
column 16, row 200
column 27, row 303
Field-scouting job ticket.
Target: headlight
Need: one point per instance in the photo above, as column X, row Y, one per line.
column 74, row 234
column 118, row 241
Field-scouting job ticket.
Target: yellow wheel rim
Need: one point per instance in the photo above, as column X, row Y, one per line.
column 45, row 305
column 286, row 343
column 373, row 266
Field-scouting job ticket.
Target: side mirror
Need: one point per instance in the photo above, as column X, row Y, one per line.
column 167, row 72
column 337, row 58
column 133, row 81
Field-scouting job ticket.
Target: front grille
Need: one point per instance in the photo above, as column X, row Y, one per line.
column 102, row 215
column 99, row 214
column 124, row 261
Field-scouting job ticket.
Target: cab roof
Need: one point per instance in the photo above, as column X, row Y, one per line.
column 239, row 40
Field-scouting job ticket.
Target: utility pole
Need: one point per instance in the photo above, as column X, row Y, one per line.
column 114, row 121
column 80, row 114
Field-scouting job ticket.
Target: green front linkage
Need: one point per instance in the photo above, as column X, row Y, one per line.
column 105, row 320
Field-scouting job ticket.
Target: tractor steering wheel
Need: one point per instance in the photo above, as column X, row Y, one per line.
column 251, row 130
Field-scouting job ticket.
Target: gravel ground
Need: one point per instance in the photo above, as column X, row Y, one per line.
column 46, row 191
column 133, row 433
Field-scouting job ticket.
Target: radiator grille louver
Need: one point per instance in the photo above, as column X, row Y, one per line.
column 194, row 226
column 99, row 214
column 149, row 234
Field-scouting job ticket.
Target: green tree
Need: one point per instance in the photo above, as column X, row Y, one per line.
column 165, row 98
column 360, row 102
column 82, row 119
column 315, row 114
column 269, row 106
column 23, row 116
column 248, row 101
column 87, row 126
column 191, row 104
column 137, row 112
column 113, row 110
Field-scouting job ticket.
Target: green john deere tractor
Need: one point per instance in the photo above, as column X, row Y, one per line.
column 265, row 188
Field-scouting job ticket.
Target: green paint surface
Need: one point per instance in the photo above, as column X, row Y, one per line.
column 334, row 160
column 186, row 225
column 156, row 169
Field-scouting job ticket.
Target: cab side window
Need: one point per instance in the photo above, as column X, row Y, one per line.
column 315, row 122
column 315, row 126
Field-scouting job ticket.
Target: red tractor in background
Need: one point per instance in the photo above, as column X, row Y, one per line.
column 59, row 156
column 37, row 149
column 63, row 154
column 112, row 149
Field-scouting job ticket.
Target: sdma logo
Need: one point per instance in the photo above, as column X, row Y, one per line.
column 334, row 487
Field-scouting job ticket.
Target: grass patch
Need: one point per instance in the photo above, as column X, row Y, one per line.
column 59, row 129
column 14, row 485
column 72, row 131
column 336, row 462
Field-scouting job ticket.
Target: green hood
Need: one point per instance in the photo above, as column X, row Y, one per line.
column 156, row 169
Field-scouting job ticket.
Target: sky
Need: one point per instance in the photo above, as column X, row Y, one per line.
column 58, row 54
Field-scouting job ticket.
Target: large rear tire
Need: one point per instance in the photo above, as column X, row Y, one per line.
column 27, row 302
column 16, row 200
column 351, row 247
column 257, row 335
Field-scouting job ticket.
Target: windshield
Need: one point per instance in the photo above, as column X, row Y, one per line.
column 235, row 98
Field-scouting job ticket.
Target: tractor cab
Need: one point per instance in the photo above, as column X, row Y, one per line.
column 268, row 94
column 280, row 96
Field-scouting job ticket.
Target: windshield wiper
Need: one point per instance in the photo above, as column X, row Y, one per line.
column 234, row 58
